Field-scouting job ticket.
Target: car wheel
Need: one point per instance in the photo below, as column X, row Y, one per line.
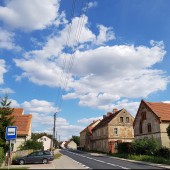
column 45, row 161
column 21, row 162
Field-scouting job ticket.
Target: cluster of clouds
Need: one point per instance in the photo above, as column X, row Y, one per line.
column 42, row 112
column 103, row 76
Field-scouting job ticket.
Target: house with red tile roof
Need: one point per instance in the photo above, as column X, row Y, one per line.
column 23, row 123
column 151, row 120
column 115, row 127
column 86, row 135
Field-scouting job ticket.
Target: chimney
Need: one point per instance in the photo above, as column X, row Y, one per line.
column 104, row 116
column 115, row 110
column 109, row 113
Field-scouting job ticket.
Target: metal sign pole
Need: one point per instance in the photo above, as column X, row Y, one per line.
column 9, row 156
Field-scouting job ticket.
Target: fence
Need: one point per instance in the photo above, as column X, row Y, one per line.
column 16, row 154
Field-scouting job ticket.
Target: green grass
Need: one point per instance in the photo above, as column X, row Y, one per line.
column 57, row 156
column 145, row 158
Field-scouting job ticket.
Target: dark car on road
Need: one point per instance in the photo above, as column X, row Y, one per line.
column 35, row 157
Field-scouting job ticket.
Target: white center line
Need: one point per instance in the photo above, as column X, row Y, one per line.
column 99, row 160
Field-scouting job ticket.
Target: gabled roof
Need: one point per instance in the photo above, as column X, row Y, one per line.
column 23, row 122
column 106, row 120
column 89, row 127
column 160, row 109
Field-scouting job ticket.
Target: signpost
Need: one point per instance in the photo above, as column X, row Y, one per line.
column 11, row 135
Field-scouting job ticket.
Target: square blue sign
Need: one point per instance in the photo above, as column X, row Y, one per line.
column 11, row 132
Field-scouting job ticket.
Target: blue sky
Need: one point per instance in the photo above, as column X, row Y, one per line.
column 83, row 58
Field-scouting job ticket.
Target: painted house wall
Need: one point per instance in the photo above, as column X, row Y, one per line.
column 72, row 145
column 19, row 141
column 104, row 137
column 150, row 118
column 46, row 142
column 164, row 136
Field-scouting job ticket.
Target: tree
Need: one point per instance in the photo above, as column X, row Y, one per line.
column 76, row 139
column 31, row 144
column 5, row 120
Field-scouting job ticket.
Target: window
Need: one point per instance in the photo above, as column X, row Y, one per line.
column 149, row 127
column 127, row 119
column 143, row 115
column 121, row 119
column 44, row 139
column 140, row 127
column 116, row 131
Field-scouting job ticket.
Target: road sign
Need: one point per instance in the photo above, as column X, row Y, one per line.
column 11, row 132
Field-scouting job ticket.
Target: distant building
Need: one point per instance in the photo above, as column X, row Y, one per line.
column 151, row 120
column 115, row 127
column 71, row 145
column 86, row 135
column 23, row 123
column 46, row 142
column 62, row 145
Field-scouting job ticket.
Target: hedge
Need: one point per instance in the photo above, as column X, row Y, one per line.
column 1, row 155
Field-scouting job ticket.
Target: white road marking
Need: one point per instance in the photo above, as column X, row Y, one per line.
column 99, row 160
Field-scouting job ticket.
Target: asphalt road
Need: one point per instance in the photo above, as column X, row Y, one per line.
column 104, row 162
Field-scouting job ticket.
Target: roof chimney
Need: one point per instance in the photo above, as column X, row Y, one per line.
column 109, row 113
column 115, row 110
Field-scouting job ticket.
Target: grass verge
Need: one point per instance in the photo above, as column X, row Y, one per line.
column 57, row 155
column 145, row 158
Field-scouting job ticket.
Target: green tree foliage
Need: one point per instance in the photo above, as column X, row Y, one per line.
column 31, row 144
column 5, row 120
column 1, row 155
column 168, row 130
column 76, row 139
column 144, row 146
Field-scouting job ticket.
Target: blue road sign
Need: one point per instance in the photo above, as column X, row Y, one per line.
column 11, row 132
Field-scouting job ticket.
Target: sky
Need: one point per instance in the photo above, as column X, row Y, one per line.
column 83, row 58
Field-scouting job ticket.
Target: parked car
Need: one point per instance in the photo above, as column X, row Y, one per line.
column 35, row 157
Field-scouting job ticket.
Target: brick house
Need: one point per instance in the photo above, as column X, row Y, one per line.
column 115, row 127
column 23, row 123
column 86, row 135
column 151, row 120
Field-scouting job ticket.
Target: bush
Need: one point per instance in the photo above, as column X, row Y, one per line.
column 123, row 147
column 32, row 144
column 163, row 152
column 144, row 146
column 1, row 155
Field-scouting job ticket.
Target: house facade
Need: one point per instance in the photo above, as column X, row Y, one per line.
column 86, row 135
column 46, row 142
column 115, row 127
column 151, row 120
column 23, row 124
column 71, row 145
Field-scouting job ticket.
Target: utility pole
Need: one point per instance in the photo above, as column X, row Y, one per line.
column 55, row 114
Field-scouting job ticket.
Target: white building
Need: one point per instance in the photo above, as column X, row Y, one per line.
column 46, row 142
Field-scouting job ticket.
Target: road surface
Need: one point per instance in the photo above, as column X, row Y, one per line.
column 104, row 162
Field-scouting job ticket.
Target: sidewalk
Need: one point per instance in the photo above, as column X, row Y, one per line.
column 65, row 162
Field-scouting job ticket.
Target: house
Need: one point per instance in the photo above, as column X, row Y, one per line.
column 62, row 145
column 46, row 142
column 23, row 123
column 86, row 135
column 151, row 120
column 115, row 127
column 71, row 145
